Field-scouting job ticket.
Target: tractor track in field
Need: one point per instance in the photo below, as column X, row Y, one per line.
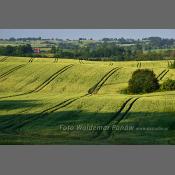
column 81, row 61
column 44, row 84
column 51, row 78
column 56, row 74
column 139, row 64
column 66, row 102
column 55, row 60
column 5, row 68
column 60, row 105
column 31, row 60
column 111, row 64
column 94, row 89
column 118, row 116
column 4, row 75
column 125, row 113
column 163, row 75
column 40, row 115
column 4, row 59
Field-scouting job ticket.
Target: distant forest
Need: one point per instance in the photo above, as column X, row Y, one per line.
column 152, row 48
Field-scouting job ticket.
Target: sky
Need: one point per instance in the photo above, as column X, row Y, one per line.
column 87, row 33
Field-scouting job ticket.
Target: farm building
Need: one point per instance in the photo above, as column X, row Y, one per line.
column 36, row 50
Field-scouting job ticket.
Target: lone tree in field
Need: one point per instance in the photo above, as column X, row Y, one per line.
column 143, row 81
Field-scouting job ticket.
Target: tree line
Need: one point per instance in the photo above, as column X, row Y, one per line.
column 101, row 51
column 111, row 51
column 21, row 50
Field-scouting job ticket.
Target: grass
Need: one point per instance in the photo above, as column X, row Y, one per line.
column 30, row 118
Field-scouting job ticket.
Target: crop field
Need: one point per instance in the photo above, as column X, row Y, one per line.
column 43, row 101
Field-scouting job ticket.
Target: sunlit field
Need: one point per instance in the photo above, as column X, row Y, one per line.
column 48, row 102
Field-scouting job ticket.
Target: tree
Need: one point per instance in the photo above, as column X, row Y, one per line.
column 143, row 81
column 53, row 49
column 23, row 50
column 9, row 50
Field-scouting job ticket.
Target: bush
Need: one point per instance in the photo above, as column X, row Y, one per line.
column 168, row 85
column 143, row 81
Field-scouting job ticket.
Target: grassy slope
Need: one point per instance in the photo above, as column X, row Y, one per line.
column 151, row 110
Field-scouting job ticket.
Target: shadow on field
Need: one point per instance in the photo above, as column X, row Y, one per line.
column 80, row 127
column 17, row 104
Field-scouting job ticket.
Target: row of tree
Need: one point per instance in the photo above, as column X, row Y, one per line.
column 103, row 51
column 21, row 50
column 111, row 51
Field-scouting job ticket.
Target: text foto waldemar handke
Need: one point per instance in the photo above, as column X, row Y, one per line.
column 94, row 127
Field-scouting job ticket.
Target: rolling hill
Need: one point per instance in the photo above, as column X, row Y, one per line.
column 68, row 102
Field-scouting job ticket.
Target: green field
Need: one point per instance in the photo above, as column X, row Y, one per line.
column 43, row 102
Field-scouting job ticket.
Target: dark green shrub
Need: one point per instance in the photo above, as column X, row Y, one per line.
column 168, row 85
column 143, row 81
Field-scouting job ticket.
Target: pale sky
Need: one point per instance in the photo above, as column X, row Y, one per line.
column 87, row 33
